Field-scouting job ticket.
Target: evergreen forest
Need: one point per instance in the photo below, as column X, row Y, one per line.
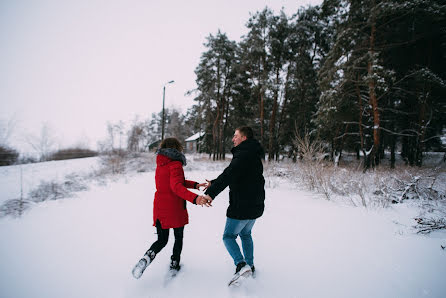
column 364, row 76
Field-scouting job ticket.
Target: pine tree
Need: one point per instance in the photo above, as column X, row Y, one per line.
column 257, row 58
column 213, row 75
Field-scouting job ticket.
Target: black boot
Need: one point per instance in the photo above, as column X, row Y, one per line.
column 239, row 267
column 175, row 264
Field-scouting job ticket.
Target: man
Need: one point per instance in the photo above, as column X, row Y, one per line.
column 244, row 175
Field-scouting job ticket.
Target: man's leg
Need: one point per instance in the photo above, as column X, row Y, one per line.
column 232, row 229
column 247, row 243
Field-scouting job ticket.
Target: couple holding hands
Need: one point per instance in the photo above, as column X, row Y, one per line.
column 244, row 176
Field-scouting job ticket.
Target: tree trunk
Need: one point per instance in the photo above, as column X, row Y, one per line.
column 215, row 128
column 262, row 113
column 372, row 95
column 361, row 129
column 423, row 123
column 225, row 128
column 392, row 151
column 221, row 132
column 272, row 122
column 263, row 80
column 284, row 106
column 224, row 104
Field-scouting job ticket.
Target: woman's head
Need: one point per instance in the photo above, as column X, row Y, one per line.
column 171, row 143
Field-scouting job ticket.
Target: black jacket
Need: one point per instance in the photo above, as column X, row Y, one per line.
column 244, row 175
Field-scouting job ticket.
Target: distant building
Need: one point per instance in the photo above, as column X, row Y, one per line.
column 192, row 142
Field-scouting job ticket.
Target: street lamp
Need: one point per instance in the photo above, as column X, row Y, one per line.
column 164, row 93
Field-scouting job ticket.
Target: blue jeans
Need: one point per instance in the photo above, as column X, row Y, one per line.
column 233, row 228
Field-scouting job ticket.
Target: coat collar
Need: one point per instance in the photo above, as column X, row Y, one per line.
column 173, row 154
column 251, row 145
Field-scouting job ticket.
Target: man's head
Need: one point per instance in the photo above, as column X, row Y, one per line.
column 241, row 134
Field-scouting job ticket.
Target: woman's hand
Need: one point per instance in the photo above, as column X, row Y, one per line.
column 204, row 184
column 204, row 200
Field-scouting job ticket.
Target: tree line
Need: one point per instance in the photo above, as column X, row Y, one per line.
column 356, row 76
column 361, row 76
column 139, row 135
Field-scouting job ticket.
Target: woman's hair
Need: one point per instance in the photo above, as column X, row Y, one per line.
column 171, row 143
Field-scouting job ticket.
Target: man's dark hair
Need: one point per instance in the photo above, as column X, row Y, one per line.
column 171, row 143
column 246, row 131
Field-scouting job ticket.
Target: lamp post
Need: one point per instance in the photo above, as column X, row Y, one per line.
column 164, row 93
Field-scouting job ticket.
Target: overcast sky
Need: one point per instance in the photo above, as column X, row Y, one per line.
column 76, row 64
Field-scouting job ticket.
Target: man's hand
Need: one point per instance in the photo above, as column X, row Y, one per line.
column 206, row 184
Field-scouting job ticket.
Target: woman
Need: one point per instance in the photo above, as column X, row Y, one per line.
column 169, row 205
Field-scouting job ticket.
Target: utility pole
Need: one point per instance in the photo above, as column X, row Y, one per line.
column 164, row 95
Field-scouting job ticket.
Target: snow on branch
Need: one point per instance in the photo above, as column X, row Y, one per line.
column 426, row 226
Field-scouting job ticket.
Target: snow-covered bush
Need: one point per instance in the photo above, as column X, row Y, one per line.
column 312, row 166
column 118, row 162
column 14, row 207
column 272, row 172
column 53, row 190
column 114, row 161
column 378, row 188
column 428, row 225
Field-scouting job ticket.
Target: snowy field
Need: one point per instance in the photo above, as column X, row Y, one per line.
column 305, row 246
column 14, row 179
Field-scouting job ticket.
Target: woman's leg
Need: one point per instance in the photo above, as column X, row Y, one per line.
column 178, row 245
column 163, row 237
column 177, row 248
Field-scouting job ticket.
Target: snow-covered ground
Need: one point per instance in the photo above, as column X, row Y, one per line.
column 14, row 179
column 305, row 246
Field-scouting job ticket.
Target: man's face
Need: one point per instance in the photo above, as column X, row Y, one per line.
column 238, row 138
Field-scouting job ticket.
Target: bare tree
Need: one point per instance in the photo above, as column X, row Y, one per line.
column 136, row 136
column 44, row 143
column 116, row 133
column 6, row 130
column 120, row 129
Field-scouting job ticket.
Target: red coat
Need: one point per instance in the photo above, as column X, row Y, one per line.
column 169, row 205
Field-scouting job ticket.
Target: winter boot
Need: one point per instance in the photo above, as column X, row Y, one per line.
column 175, row 264
column 243, row 271
column 242, row 268
column 253, row 270
column 139, row 268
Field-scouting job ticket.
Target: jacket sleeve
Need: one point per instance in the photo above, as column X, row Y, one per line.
column 177, row 182
column 190, row 184
column 232, row 172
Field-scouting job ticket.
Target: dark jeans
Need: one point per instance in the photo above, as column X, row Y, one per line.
column 163, row 238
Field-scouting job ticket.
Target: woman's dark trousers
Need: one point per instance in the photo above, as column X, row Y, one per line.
column 163, row 238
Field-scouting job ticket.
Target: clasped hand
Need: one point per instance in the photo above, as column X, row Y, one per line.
column 205, row 185
column 204, row 200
